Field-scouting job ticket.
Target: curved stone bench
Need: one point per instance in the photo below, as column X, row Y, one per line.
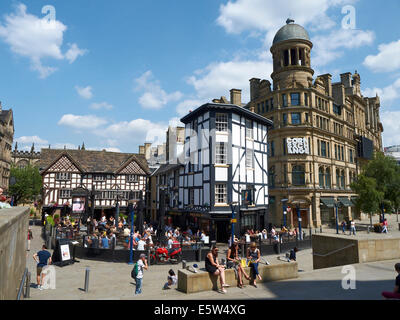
column 189, row 282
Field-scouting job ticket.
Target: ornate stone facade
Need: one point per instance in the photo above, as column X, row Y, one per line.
column 340, row 127
column 6, row 141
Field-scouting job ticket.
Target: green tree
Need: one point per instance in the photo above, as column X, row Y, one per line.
column 369, row 197
column 25, row 183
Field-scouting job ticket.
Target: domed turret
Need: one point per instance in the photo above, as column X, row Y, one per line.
column 291, row 51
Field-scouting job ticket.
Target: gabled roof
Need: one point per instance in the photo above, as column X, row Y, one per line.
column 229, row 108
column 92, row 161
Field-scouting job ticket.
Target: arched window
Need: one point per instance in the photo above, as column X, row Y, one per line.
column 321, row 178
column 327, row 178
column 298, row 176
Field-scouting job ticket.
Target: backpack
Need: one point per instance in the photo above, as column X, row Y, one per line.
column 135, row 271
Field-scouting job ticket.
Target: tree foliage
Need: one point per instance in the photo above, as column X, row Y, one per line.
column 25, row 183
column 378, row 185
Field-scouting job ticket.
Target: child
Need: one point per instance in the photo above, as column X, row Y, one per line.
column 396, row 292
column 172, row 280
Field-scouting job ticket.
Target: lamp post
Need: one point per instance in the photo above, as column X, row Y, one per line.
column 132, row 216
column 336, row 216
column 383, row 212
column 284, row 201
column 233, row 224
column 299, row 221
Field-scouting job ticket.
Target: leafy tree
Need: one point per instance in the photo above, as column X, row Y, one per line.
column 369, row 197
column 25, row 183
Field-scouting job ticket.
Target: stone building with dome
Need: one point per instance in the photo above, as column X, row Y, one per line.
column 323, row 133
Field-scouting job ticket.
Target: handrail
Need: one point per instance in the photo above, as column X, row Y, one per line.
column 21, row 286
column 335, row 251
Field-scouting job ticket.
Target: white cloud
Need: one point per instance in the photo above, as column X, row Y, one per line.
column 74, row 52
column 387, row 60
column 30, row 140
column 391, row 125
column 82, row 122
column 85, row 93
column 269, row 15
column 328, row 47
column 154, row 97
column 37, row 39
column 101, row 105
column 219, row 77
column 388, row 95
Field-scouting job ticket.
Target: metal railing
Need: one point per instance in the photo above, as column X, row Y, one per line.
column 26, row 279
column 335, row 251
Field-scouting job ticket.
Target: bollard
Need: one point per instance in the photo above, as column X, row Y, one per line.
column 87, row 280
column 199, row 253
column 183, row 264
column 242, row 248
column 320, row 228
column 279, row 244
column 48, row 242
column 28, row 286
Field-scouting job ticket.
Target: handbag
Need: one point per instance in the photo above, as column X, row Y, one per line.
column 243, row 263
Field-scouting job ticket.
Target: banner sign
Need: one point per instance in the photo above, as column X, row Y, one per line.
column 298, row 146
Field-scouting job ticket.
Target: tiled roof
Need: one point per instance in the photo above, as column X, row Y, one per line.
column 166, row 168
column 93, row 161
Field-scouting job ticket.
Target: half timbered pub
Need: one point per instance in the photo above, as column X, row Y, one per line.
column 114, row 176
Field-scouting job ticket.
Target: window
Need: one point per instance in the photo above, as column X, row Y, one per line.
column 321, row 178
column 220, row 193
column 65, row 193
column 298, row 176
column 266, row 106
column 249, row 158
column 306, row 99
column 99, row 177
column 258, row 108
column 337, row 109
column 284, row 119
column 328, row 179
column 249, row 129
column 307, row 117
column 64, row 176
column 323, row 149
column 221, row 122
column 132, row 178
column 271, row 177
column 220, row 153
column 271, row 104
column 284, row 100
column 351, row 156
column 337, row 178
column 262, row 107
column 284, row 147
column 342, row 180
column 295, row 99
column 191, row 196
column 342, row 153
column 271, row 151
column 296, row 118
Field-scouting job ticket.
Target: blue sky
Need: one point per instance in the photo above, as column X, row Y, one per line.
column 115, row 74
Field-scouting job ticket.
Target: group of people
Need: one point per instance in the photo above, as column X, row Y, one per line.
column 215, row 267
column 352, row 227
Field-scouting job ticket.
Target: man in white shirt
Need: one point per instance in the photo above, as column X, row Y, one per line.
column 170, row 242
column 141, row 244
column 142, row 264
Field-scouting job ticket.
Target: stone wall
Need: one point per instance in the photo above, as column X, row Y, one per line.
column 13, row 239
column 190, row 282
column 331, row 251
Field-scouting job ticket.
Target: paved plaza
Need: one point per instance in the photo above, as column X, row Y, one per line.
column 109, row 281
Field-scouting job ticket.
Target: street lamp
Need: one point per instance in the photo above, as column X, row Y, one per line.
column 336, row 216
column 284, row 201
column 299, row 221
column 132, row 215
column 233, row 221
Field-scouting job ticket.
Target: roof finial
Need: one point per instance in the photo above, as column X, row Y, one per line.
column 288, row 21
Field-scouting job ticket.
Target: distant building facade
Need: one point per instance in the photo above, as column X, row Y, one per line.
column 394, row 152
column 323, row 132
column 22, row 159
column 6, row 142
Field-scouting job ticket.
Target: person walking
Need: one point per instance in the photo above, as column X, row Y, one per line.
column 43, row 258
column 233, row 261
column 214, row 268
column 385, row 226
column 352, row 227
column 30, row 237
column 253, row 254
column 141, row 264
column 344, row 226
column 396, row 292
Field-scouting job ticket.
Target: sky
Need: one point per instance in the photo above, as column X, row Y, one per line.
column 115, row 74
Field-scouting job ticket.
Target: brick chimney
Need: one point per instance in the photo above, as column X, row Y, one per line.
column 236, row 97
